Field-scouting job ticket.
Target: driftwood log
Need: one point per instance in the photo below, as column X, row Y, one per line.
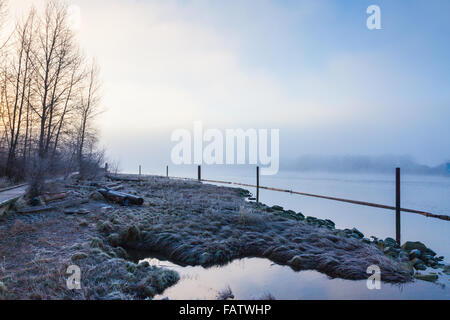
column 58, row 205
column 117, row 178
column 121, row 197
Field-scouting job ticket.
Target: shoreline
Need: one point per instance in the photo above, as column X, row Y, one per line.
column 186, row 221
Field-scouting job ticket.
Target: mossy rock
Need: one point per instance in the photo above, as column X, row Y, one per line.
column 131, row 234
column 411, row 245
column 427, row 277
column 114, row 239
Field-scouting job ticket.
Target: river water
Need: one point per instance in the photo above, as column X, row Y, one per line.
column 253, row 278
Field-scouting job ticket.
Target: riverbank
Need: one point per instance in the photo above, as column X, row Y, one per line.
column 188, row 222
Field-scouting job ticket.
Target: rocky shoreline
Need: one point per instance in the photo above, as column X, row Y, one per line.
column 190, row 223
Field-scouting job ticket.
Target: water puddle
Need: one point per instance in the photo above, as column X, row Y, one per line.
column 257, row 278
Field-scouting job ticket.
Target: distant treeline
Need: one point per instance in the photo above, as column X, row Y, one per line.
column 369, row 164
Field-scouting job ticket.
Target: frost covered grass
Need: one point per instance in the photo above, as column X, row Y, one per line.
column 188, row 222
column 192, row 223
column 36, row 250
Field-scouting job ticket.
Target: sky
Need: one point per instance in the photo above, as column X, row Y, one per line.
column 311, row 69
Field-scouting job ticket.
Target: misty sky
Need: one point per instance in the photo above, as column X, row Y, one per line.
column 310, row 68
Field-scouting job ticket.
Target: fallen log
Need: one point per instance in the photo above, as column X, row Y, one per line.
column 58, row 205
column 123, row 178
column 80, row 187
column 48, row 197
column 121, row 197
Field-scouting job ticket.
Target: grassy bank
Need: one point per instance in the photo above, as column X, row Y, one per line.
column 186, row 221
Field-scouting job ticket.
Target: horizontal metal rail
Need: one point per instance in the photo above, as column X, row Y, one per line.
column 362, row 203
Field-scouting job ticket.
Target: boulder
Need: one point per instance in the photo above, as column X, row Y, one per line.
column 95, row 195
column 359, row 234
column 391, row 242
column 411, row 245
column 432, row 277
column 418, row 264
column 415, row 253
column 408, row 267
column 446, row 270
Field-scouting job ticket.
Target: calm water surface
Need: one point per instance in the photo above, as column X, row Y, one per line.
column 255, row 278
column 252, row 278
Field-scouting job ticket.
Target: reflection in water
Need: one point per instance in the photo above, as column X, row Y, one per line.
column 256, row 278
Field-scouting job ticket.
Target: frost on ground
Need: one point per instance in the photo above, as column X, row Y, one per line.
column 186, row 221
column 201, row 224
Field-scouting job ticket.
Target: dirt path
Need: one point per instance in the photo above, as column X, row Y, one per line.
column 12, row 193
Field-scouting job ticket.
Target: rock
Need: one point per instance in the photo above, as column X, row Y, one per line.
column 391, row 242
column 415, row 253
column 410, row 245
column 408, row 267
column 330, row 223
column 446, row 270
column 311, row 220
column 79, row 256
column 365, row 240
column 95, row 195
column 427, row 277
column 355, row 235
column 277, row 208
column 354, row 230
column 418, row 264
column 114, row 239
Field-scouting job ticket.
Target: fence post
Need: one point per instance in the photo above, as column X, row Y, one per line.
column 199, row 173
column 257, row 184
column 167, row 171
column 397, row 205
column 106, row 167
column 139, row 172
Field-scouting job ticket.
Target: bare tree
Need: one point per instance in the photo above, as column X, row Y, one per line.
column 88, row 110
column 20, row 81
column 49, row 98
